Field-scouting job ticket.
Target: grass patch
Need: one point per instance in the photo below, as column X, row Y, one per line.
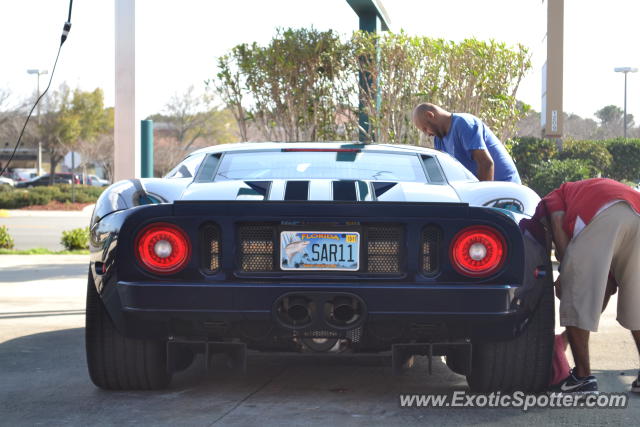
column 42, row 251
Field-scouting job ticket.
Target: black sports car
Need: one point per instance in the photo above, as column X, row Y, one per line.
column 319, row 247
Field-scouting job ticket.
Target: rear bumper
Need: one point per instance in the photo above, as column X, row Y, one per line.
column 392, row 312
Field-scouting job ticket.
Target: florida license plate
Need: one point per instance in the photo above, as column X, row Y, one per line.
column 320, row 250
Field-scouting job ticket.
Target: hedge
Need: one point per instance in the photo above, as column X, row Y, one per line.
column 529, row 152
column 595, row 153
column 626, row 159
column 551, row 175
column 15, row 198
column 543, row 168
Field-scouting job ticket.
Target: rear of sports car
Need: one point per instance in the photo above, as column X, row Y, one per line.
column 171, row 280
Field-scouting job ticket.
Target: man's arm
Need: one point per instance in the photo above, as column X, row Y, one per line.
column 560, row 237
column 485, row 164
column 561, row 241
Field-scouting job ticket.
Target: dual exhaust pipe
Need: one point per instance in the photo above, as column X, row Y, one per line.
column 304, row 310
column 297, row 310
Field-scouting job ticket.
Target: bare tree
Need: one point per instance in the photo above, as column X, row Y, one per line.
column 189, row 117
column 189, row 121
column 58, row 127
column 11, row 118
column 4, row 104
column 166, row 155
column 612, row 121
column 529, row 125
column 99, row 152
column 579, row 128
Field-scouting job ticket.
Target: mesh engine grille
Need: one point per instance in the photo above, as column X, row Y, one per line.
column 211, row 247
column 257, row 251
column 384, row 243
column 257, row 248
column 317, row 333
column 355, row 335
column 429, row 249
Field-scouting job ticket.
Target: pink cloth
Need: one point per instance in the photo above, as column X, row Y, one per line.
column 560, row 365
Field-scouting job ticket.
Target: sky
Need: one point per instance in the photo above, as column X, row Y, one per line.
column 177, row 41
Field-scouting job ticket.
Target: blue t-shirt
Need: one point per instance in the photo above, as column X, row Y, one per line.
column 467, row 133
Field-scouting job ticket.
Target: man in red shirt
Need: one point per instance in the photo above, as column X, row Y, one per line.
column 595, row 225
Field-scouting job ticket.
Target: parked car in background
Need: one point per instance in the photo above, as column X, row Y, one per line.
column 6, row 181
column 95, row 181
column 22, row 174
column 42, row 180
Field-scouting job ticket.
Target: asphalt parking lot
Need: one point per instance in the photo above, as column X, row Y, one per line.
column 45, row 380
column 42, row 229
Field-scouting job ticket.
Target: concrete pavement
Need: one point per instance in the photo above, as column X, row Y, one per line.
column 45, row 381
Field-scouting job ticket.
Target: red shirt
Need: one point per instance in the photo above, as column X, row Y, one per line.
column 584, row 199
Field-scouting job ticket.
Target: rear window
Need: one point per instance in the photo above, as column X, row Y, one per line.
column 187, row 168
column 454, row 170
column 350, row 165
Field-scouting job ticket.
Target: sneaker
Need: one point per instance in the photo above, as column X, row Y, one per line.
column 635, row 386
column 575, row 384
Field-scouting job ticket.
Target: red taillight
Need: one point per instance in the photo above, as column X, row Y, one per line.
column 163, row 248
column 478, row 251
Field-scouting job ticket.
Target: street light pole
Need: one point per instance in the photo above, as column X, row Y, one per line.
column 38, row 73
column 625, row 70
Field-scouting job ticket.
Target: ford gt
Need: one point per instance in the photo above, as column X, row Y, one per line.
column 323, row 248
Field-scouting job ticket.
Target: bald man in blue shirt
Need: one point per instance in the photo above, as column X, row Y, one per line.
column 469, row 140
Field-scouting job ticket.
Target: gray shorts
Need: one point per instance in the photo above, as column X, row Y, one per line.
column 610, row 241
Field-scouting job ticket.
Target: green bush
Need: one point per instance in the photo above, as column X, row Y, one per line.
column 594, row 153
column 78, row 238
column 291, row 88
column 529, row 152
column 626, row 159
column 16, row 198
column 551, row 175
column 6, row 241
column 543, row 168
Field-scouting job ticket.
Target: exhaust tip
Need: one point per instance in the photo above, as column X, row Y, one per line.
column 343, row 311
column 298, row 313
column 295, row 311
column 324, row 311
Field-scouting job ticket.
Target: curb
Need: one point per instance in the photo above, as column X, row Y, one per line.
column 13, row 213
column 21, row 260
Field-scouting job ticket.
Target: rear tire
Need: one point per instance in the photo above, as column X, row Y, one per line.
column 458, row 361
column 184, row 358
column 521, row 364
column 116, row 362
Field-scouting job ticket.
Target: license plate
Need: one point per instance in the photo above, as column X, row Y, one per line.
column 320, row 250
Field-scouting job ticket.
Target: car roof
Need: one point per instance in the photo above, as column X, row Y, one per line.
column 250, row 146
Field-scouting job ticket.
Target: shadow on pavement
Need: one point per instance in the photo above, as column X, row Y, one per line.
column 46, row 313
column 24, row 273
column 45, row 380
